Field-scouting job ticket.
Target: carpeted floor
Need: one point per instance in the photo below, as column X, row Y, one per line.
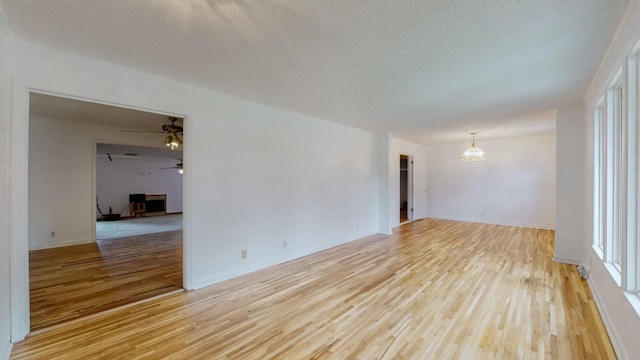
column 137, row 226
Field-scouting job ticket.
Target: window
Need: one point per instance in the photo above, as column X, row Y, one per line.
column 616, row 176
column 616, row 149
column 610, row 135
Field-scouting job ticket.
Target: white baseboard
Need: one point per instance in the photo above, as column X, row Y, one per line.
column 567, row 260
column 59, row 244
column 496, row 222
column 263, row 265
column 230, row 275
column 618, row 347
column 6, row 354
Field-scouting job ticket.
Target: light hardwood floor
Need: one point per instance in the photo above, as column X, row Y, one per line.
column 434, row 290
column 75, row 281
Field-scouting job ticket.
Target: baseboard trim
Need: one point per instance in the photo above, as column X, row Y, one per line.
column 263, row 265
column 60, row 244
column 496, row 222
column 618, row 347
column 567, row 260
column 256, row 267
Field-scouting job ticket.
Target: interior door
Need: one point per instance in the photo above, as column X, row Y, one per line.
column 406, row 189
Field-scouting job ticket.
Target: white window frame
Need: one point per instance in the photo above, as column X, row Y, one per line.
column 615, row 168
column 599, row 178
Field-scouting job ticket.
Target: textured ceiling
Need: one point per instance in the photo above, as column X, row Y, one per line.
column 415, row 68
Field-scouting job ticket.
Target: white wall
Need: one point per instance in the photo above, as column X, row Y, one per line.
column 275, row 176
column 570, row 184
column 621, row 319
column 257, row 176
column 514, row 186
column 61, row 184
column 116, row 179
column 383, row 175
column 5, row 191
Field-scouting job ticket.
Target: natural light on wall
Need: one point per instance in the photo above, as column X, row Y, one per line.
column 473, row 153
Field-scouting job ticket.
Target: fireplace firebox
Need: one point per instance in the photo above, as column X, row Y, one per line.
column 156, row 205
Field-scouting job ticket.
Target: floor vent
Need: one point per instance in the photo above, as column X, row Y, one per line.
column 584, row 274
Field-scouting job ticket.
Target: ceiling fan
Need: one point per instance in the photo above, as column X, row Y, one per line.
column 178, row 166
column 174, row 131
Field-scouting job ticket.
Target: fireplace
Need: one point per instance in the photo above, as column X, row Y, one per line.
column 156, row 205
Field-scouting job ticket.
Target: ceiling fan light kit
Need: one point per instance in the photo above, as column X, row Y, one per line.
column 173, row 141
column 167, row 141
column 172, row 130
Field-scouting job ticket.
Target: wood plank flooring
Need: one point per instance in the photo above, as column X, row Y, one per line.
column 434, row 290
column 403, row 216
column 74, row 281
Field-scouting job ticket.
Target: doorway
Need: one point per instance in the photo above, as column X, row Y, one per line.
column 406, row 188
column 64, row 253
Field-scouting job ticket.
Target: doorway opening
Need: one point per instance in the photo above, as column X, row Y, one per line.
column 406, row 188
column 85, row 159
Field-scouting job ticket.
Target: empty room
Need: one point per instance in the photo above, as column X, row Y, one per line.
column 247, row 179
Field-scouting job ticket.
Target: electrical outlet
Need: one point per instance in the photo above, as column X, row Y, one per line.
column 284, row 244
column 243, row 254
column 52, row 234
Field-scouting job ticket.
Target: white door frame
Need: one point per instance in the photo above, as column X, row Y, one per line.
column 19, row 188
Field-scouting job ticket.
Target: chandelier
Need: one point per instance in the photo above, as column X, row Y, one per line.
column 473, row 153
